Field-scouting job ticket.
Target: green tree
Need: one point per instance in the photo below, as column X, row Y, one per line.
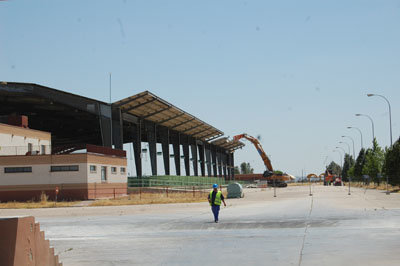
column 374, row 160
column 358, row 166
column 392, row 163
column 334, row 168
column 348, row 163
column 236, row 170
column 245, row 168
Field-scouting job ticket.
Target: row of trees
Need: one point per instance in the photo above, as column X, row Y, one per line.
column 375, row 162
column 245, row 168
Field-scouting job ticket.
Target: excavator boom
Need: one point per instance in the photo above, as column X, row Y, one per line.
column 260, row 150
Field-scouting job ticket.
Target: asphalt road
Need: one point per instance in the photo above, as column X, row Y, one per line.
column 328, row 228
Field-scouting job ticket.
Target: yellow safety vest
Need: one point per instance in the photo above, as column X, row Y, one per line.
column 217, row 200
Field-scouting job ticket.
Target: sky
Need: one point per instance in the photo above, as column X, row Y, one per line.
column 293, row 72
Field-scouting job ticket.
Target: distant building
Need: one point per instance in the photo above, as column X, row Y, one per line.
column 28, row 168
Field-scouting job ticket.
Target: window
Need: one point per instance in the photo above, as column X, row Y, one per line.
column 93, row 169
column 9, row 170
column 64, row 168
column 113, row 170
column 122, row 170
column 30, row 147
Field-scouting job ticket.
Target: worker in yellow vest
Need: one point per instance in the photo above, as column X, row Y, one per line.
column 215, row 198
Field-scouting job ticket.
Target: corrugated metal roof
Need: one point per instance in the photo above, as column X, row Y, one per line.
column 150, row 107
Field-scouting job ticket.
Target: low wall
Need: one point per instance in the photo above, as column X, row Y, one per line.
column 22, row 243
column 66, row 191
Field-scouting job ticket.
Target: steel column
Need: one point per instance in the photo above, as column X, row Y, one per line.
column 137, row 147
column 164, row 134
column 177, row 152
column 208, row 159
column 224, row 162
column 229, row 166
column 185, row 146
column 151, row 138
column 193, row 148
column 219, row 160
column 233, row 166
column 117, row 128
column 214, row 160
column 202, row 163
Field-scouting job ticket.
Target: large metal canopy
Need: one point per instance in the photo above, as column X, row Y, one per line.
column 150, row 107
column 227, row 144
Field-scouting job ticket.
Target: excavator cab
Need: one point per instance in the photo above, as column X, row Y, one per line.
column 268, row 173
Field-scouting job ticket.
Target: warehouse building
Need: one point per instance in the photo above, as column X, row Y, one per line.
column 76, row 121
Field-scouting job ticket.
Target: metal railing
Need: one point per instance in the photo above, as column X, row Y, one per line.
column 25, row 150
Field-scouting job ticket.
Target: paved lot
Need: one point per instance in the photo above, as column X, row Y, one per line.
column 328, row 228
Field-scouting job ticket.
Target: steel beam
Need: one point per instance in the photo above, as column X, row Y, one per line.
column 191, row 128
column 181, row 124
column 130, row 100
column 170, row 118
column 156, row 112
column 139, row 105
column 217, row 136
column 200, row 132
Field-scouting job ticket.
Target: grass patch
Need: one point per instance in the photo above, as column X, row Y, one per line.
column 35, row 205
column 382, row 186
column 153, row 198
column 43, row 203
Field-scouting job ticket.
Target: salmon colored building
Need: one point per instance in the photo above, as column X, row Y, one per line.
column 29, row 169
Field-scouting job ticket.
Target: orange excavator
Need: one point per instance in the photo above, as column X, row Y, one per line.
column 272, row 178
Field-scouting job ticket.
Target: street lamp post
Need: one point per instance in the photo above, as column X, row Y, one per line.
column 348, row 146
column 372, row 122
column 390, row 113
column 360, row 134
column 390, row 123
column 352, row 140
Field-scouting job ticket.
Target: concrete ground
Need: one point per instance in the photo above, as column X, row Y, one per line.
column 328, row 228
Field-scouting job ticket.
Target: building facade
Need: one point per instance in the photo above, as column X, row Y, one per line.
column 27, row 173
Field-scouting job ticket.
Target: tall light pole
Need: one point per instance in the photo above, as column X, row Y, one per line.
column 352, row 140
column 348, row 146
column 360, row 135
column 373, row 127
column 390, row 123
column 111, row 122
column 348, row 177
column 390, row 113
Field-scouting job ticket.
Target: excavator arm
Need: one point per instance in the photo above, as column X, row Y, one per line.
column 260, row 151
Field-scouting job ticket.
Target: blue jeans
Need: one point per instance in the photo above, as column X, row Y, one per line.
column 215, row 210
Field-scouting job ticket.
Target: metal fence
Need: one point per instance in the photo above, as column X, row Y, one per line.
column 175, row 181
column 180, row 182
